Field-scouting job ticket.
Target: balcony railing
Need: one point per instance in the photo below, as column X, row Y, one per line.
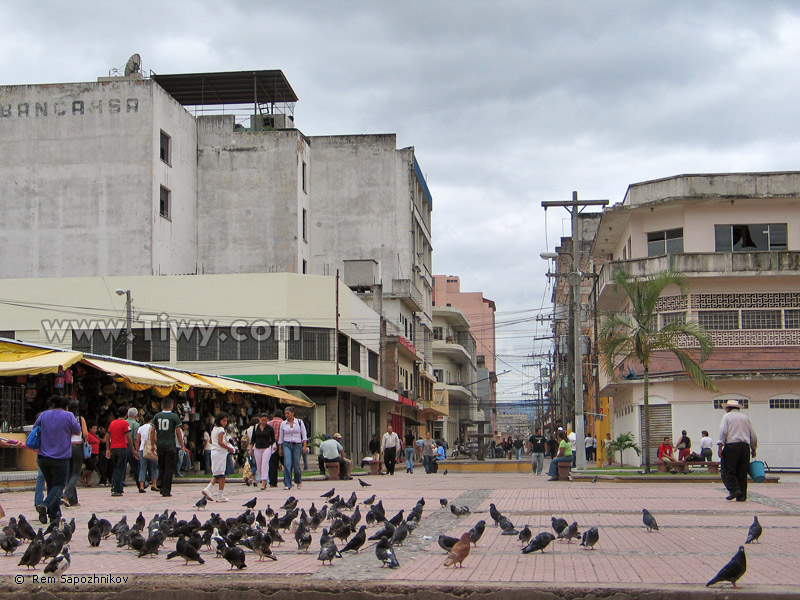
column 405, row 289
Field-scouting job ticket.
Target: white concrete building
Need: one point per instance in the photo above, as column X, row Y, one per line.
column 737, row 239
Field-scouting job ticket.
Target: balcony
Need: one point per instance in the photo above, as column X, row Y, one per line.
column 407, row 292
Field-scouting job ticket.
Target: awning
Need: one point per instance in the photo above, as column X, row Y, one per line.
column 20, row 359
column 293, row 397
column 186, row 379
column 132, row 374
column 228, row 385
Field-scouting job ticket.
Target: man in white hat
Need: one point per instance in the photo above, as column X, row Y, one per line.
column 332, row 451
column 737, row 443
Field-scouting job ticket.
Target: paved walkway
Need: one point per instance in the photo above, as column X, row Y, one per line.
column 699, row 533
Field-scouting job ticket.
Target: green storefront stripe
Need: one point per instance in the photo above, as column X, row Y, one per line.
column 309, row 380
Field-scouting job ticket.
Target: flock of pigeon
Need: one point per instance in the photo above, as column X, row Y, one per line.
column 257, row 532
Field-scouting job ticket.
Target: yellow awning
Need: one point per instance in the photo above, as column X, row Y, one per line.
column 134, row 374
column 284, row 396
column 186, row 379
column 20, row 359
column 228, row 385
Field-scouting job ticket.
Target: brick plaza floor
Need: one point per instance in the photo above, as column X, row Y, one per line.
column 699, row 532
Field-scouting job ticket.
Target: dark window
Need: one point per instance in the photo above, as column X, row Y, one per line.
column 718, row 319
column 343, row 349
column 372, row 358
column 311, row 343
column 164, row 203
column 672, row 317
column 438, row 333
column 305, row 188
column 165, row 148
column 305, row 267
column 188, row 342
column 720, row 402
column 750, row 238
column 355, row 356
column 228, row 344
column 791, row 319
column 665, row 242
column 438, row 375
column 151, row 345
column 8, row 334
column 305, row 225
column 761, row 319
column 784, row 402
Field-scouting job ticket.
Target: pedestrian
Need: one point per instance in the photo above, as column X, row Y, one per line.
column 375, row 447
column 606, row 442
column 552, row 446
column 55, row 453
column 594, row 448
column 666, row 455
column 428, row 452
column 206, row 451
column 518, row 447
column 706, row 443
column 409, row 451
column 220, row 449
column 69, row 497
column 247, row 445
column 737, row 443
column 274, row 460
column 148, row 467
column 292, row 441
column 90, row 465
column 105, row 467
column 262, row 444
column 587, row 444
column 133, row 424
column 185, row 457
column 166, row 425
column 684, row 446
column 536, row 446
column 564, row 455
column 390, row 444
column 119, row 441
column 332, row 451
column 572, row 438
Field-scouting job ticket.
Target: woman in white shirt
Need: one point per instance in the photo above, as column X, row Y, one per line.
column 220, row 448
column 292, row 442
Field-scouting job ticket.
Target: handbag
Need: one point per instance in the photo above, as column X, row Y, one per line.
column 34, row 439
column 149, row 451
column 87, row 450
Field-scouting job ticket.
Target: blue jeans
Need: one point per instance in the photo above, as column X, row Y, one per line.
column 133, row 462
column 519, row 453
column 537, row 462
column 251, row 460
column 144, row 465
column 55, row 471
column 120, row 458
column 292, row 452
column 38, row 494
column 553, row 471
column 410, row 459
column 427, row 461
column 207, row 462
column 75, row 465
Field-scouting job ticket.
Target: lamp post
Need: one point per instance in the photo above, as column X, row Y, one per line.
column 128, row 323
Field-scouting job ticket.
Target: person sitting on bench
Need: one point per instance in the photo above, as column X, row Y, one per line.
column 666, row 456
column 332, row 451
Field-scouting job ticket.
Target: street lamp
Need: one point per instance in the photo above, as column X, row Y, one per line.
column 129, row 323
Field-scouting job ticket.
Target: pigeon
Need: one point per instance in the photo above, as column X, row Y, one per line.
column 356, row 518
column 445, row 472
column 8, row 543
column 303, row 538
column 235, row 557
column 400, row 534
column 140, row 524
column 369, row 501
column 186, row 551
column 251, row 503
column 357, row 541
column 395, row 520
column 328, row 494
column 476, row 532
column 94, row 536
column 261, row 546
column 559, row 525
column 201, row 504
column 443, row 502
column 121, row 524
column 594, row 479
column 32, row 555
column 351, row 502
column 507, row 527
column 387, row 530
column 290, row 504
column 459, row 511
column 364, row 483
column 60, row 563
column 269, row 513
column 328, row 552
column 52, row 546
column 649, row 520
column 105, row 528
column 385, row 553
column 590, row 538
column 754, row 532
column 24, row 529
column 539, row 543
column 571, row 532
column 525, row 535
column 733, row 571
column 459, row 552
column 151, row 545
column 495, row 514
column 446, row 542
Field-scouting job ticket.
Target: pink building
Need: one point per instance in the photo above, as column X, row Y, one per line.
column 480, row 314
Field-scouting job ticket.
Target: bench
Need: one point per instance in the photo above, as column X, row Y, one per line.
column 333, row 469
column 563, row 471
column 683, row 467
column 712, row 466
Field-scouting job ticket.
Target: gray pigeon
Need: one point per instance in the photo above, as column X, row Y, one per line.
column 235, row 557
column 328, row 552
column 590, row 538
column 32, row 555
column 443, row 502
column 60, row 563
column 572, row 532
column 495, row 514
column 507, row 527
column 525, row 535
column 559, row 525
column 649, row 520
column 459, row 511
column 539, row 543
column 446, row 542
column 358, row 540
column 385, row 553
column 754, row 532
column 733, row 571
column 476, row 532
column 94, row 536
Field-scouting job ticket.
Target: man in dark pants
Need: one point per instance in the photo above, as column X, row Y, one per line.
column 166, row 425
column 274, row 460
column 55, row 453
column 737, row 443
column 118, row 443
column 389, row 446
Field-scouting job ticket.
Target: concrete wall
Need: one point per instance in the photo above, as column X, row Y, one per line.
column 250, row 199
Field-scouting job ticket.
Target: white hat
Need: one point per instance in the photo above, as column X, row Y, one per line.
column 733, row 404
column 560, row 429
column 337, row 436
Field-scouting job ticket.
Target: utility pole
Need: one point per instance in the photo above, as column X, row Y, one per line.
column 575, row 278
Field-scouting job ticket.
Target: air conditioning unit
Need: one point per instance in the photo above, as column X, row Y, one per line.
column 276, row 121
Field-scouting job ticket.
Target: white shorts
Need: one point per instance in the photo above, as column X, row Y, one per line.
column 219, row 462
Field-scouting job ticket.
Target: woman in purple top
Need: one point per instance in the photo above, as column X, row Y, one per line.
column 55, row 453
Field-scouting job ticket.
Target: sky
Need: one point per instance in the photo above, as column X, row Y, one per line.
column 507, row 103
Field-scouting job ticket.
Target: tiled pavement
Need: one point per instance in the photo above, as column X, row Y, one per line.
column 700, row 531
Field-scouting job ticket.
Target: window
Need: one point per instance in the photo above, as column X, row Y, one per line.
column 791, row 319
column 761, row 319
column 9, row 334
column 718, row 319
column 228, row 343
column 750, row 238
column 665, row 242
column 672, row 317
column 784, row 403
column 165, row 199
column 305, row 225
column 438, row 375
column 720, row 402
column 165, row 144
column 355, row 356
column 305, row 267
column 149, row 345
column 372, row 360
column 438, row 333
column 309, row 343
column 305, row 187
column 344, row 345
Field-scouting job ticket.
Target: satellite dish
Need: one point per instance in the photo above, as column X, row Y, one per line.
column 133, row 65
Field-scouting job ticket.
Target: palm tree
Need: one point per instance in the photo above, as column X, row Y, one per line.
column 634, row 334
column 624, row 441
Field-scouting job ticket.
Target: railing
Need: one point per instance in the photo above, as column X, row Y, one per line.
column 405, row 288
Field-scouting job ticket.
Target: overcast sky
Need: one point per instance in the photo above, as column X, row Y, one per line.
column 507, row 103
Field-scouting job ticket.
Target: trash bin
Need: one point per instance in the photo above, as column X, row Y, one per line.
column 756, row 470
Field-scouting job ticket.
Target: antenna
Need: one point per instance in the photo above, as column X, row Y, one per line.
column 134, row 65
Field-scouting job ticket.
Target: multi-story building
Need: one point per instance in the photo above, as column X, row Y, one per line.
column 737, row 239
column 132, row 176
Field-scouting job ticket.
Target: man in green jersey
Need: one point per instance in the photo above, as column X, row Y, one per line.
column 166, row 425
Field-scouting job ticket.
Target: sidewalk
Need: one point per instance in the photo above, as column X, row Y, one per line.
column 699, row 533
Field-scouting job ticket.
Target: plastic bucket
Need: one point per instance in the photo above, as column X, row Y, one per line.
column 756, row 471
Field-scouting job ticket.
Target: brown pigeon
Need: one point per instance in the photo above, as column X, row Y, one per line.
column 459, row 552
